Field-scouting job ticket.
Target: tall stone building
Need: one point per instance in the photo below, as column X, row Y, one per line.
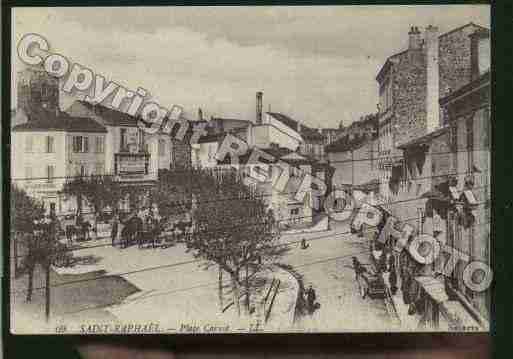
column 435, row 127
column 410, row 85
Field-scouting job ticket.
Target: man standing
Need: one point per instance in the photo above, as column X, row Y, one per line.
column 359, row 269
column 114, row 230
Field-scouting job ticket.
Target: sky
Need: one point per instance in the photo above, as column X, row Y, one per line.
column 316, row 64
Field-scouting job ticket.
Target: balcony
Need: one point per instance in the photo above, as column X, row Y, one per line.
column 133, row 167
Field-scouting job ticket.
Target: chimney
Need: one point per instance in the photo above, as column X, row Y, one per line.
column 200, row 114
column 433, row 86
column 259, row 108
column 414, row 40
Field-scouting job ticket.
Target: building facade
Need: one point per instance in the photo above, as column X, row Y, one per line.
column 442, row 189
column 410, row 84
column 354, row 154
column 48, row 149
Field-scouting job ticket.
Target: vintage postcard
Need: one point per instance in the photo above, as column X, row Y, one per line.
column 269, row 169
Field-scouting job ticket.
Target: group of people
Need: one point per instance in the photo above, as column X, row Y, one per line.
column 310, row 300
column 81, row 227
column 142, row 226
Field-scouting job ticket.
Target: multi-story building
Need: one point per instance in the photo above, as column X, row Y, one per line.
column 282, row 138
column 442, row 186
column 331, row 135
column 85, row 140
column 410, row 85
column 354, row 154
column 49, row 148
column 468, row 219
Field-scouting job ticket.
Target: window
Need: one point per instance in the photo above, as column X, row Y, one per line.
column 470, row 142
column 77, row 144
column 486, row 132
column 123, row 143
column 50, row 144
column 162, row 148
column 483, row 55
column 80, row 144
column 50, row 173
column 83, row 171
column 294, row 211
column 100, row 143
column 29, row 143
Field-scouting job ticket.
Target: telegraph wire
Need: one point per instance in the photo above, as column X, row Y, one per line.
column 192, row 169
column 192, row 261
column 257, row 196
column 258, row 223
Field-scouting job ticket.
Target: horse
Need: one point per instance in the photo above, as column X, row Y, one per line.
column 131, row 230
column 71, row 233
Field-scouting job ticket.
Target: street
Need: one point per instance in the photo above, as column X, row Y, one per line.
column 326, row 265
column 173, row 287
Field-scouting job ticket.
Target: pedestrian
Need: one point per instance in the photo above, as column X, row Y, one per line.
column 303, row 244
column 310, row 299
column 114, row 229
column 359, row 269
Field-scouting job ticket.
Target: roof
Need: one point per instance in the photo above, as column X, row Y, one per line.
column 424, row 139
column 480, row 30
column 305, row 131
column 482, row 80
column 49, row 121
column 110, row 116
column 357, row 140
column 277, row 152
column 387, row 64
column 211, row 137
column 233, row 120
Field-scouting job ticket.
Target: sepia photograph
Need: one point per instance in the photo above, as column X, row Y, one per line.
column 250, row 169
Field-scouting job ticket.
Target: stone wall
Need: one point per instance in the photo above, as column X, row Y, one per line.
column 409, row 94
column 455, row 60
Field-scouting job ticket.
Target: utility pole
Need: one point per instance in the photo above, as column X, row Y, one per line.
column 47, row 292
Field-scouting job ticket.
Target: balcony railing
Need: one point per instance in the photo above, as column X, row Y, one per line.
column 133, row 166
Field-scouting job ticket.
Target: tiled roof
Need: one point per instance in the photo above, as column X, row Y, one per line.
column 49, row 121
column 305, row 131
column 110, row 116
column 348, row 143
column 211, row 137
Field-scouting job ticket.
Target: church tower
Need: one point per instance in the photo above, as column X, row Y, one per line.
column 37, row 91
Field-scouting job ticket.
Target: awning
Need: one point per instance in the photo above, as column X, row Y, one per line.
column 433, row 287
column 436, row 195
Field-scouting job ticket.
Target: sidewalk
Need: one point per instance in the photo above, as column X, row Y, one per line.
column 399, row 309
column 321, row 225
column 396, row 307
column 186, row 291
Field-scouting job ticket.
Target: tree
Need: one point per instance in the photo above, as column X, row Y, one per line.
column 233, row 228
column 39, row 239
column 24, row 211
column 99, row 191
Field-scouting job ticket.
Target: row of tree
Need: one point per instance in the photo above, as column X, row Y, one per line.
column 233, row 227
